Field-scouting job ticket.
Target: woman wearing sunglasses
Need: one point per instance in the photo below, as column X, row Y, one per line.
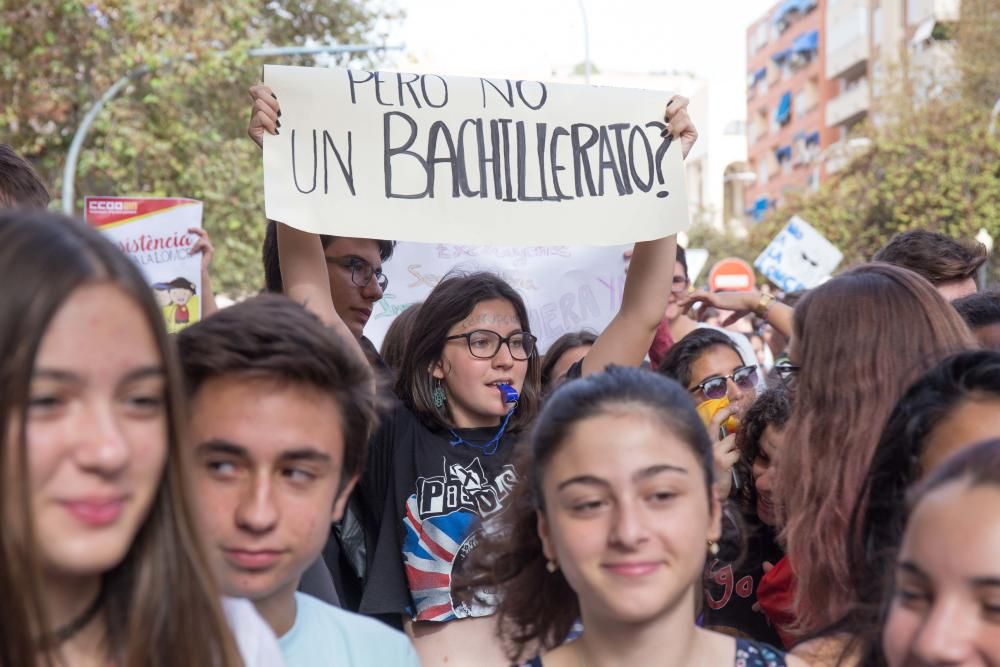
column 709, row 365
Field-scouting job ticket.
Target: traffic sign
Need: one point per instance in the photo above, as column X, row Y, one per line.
column 731, row 275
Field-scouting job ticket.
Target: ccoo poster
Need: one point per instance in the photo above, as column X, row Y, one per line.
column 153, row 231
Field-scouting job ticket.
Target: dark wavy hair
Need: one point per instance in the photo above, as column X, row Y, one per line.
column 772, row 408
column 160, row 603
column 561, row 346
column 880, row 515
column 538, row 609
column 935, row 256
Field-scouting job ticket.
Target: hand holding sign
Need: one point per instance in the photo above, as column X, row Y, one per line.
column 264, row 113
column 679, row 123
column 425, row 157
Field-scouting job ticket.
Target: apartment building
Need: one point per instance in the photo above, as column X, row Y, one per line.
column 787, row 90
column 815, row 70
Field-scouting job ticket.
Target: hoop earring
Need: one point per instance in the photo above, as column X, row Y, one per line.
column 438, row 395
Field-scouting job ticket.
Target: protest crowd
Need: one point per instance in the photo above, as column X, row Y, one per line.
column 745, row 478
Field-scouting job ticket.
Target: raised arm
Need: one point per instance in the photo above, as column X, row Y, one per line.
column 647, row 287
column 207, row 250
column 304, row 275
column 777, row 314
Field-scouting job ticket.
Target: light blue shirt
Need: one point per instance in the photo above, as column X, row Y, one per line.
column 324, row 635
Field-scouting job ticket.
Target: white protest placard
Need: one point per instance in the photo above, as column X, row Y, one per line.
column 697, row 258
column 799, row 257
column 565, row 288
column 153, row 231
column 423, row 157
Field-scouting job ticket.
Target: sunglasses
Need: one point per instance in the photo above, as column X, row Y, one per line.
column 788, row 373
column 744, row 377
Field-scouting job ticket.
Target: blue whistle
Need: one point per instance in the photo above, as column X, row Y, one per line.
column 508, row 392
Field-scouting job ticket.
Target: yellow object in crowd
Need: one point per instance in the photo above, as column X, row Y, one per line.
column 709, row 408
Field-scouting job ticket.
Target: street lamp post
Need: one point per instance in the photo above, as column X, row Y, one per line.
column 69, row 170
column 586, row 43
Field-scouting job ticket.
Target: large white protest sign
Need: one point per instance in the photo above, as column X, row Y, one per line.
column 465, row 160
column 799, row 257
column 565, row 288
column 153, row 231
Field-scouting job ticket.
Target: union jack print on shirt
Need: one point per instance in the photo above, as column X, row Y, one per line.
column 442, row 521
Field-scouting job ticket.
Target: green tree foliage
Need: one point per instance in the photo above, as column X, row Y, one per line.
column 937, row 170
column 931, row 164
column 179, row 130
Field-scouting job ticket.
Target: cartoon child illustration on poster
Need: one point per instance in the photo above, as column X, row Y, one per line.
column 181, row 311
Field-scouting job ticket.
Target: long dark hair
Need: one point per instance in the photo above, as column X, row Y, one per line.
column 879, row 518
column 538, row 608
column 161, row 606
column 450, row 302
column 861, row 339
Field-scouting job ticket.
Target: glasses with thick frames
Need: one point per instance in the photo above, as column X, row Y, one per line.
column 361, row 271
column 744, row 377
column 484, row 344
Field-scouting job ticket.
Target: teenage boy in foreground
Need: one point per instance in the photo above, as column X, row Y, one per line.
column 281, row 411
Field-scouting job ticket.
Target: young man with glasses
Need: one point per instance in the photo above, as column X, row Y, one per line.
column 354, row 266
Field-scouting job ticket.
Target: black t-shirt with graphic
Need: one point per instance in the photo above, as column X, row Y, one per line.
column 731, row 585
column 426, row 499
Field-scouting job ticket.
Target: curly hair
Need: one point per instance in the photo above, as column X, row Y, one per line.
column 772, row 408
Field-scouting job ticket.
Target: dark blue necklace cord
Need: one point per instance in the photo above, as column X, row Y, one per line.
column 488, row 448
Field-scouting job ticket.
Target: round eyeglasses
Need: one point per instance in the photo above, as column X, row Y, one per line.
column 744, row 377
column 484, row 344
column 361, row 271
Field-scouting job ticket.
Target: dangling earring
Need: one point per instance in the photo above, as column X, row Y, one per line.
column 713, row 547
column 552, row 567
column 438, row 395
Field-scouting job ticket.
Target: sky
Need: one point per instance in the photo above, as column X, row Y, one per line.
column 532, row 38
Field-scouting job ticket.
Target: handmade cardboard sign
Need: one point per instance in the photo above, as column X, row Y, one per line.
column 423, row 157
column 799, row 257
column 565, row 288
column 153, row 231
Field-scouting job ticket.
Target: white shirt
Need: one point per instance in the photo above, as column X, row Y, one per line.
column 257, row 644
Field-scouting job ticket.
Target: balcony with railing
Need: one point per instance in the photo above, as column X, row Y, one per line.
column 852, row 52
column 849, row 105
